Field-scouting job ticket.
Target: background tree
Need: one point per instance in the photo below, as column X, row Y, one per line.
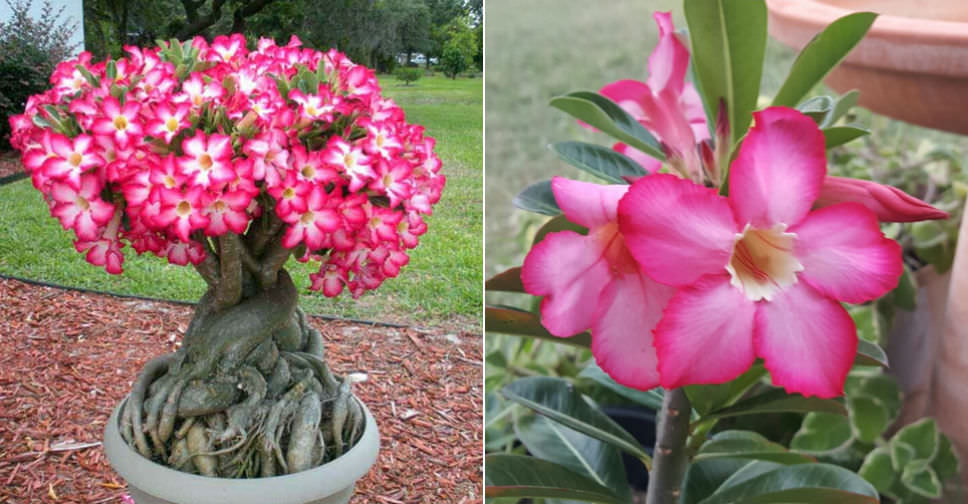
column 460, row 49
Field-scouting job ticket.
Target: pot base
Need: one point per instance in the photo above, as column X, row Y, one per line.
column 330, row 483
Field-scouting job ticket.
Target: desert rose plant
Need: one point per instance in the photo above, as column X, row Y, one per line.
column 720, row 256
column 234, row 161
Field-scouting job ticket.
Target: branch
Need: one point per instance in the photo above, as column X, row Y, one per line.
column 229, row 290
column 670, row 461
column 261, row 237
column 208, row 268
column 201, row 22
column 273, row 261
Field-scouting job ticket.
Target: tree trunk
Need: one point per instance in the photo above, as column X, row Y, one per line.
column 248, row 394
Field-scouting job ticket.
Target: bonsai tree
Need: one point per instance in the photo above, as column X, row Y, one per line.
column 234, row 161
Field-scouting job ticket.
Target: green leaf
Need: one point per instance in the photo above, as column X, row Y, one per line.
column 818, row 108
column 778, row 401
column 599, row 161
column 111, row 69
column 555, row 224
column 863, row 317
column 905, row 295
column 91, row 79
column 870, row 354
column 841, row 107
column 728, row 44
column 879, row 386
column 945, row 462
column 811, row 496
column 797, row 484
column 877, row 470
column 508, row 280
column 649, row 398
column 557, row 399
column 554, row 442
column 822, row 54
column 705, row 476
column 922, row 436
column 707, row 398
column 868, row 418
column 748, row 445
column 605, row 115
column 901, row 454
column 513, row 321
column 919, row 478
column 932, row 243
column 839, row 135
column 521, row 476
column 537, row 198
column 822, row 433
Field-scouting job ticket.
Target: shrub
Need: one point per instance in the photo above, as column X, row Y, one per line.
column 408, row 74
column 29, row 50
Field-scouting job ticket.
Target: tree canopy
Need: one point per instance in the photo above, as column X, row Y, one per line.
column 371, row 32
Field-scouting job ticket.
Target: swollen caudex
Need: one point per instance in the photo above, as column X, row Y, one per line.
column 250, row 396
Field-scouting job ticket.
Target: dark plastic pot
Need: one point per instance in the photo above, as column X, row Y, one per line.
column 330, row 483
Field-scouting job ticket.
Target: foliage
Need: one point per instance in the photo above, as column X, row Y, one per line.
column 372, row 32
column 459, row 50
column 29, row 50
column 408, row 74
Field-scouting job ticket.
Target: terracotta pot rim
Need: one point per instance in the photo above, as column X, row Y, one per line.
column 887, row 26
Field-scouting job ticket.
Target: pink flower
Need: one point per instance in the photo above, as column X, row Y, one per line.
column 182, row 211
column 351, row 160
column 81, row 208
column 290, row 196
column 227, row 212
column 665, row 104
column 592, row 282
column 393, row 180
column 207, row 159
column 758, row 274
column 196, row 92
column 890, row 204
column 168, row 120
column 314, row 106
column 120, row 121
column 70, row 158
column 312, row 225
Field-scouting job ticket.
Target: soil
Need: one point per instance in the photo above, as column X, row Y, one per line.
column 9, row 163
column 68, row 357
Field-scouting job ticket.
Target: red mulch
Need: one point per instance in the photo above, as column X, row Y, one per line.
column 66, row 358
column 9, row 163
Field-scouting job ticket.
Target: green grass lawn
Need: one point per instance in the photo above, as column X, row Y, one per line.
column 440, row 286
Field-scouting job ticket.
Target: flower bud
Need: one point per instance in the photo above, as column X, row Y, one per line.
column 890, row 204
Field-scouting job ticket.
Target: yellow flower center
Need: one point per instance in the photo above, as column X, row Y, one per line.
column 205, row 161
column 171, row 124
column 83, row 203
column 76, row 159
column 308, row 171
column 121, row 122
column 183, row 208
column 288, row 193
column 762, row 262
column 306, row 218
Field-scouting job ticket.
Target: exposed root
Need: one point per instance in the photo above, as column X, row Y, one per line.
column 249, row 395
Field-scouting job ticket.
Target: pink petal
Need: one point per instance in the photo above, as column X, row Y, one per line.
column 890, row 204
column 587, row 204
column 629, row 95
column 844, row 254
column 706, row 334
column 669, row 59
column 807, row 341
column 629, row 308
column 570, row 270
column 678, row 231
column 649, row 163
column 779, row 170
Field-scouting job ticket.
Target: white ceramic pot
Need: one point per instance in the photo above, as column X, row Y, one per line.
column 330, row 483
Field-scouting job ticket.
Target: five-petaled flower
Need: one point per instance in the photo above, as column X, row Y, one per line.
column 758, row 273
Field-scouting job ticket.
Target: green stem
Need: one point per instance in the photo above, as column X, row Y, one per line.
column 670, row 460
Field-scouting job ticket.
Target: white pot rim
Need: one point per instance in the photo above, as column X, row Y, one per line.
column 306, row 486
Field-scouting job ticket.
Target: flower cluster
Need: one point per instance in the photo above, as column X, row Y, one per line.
column 680, row 285
column 171, row 146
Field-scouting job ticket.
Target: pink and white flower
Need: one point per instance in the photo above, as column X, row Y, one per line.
column 758, row 273
column 207, row 160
